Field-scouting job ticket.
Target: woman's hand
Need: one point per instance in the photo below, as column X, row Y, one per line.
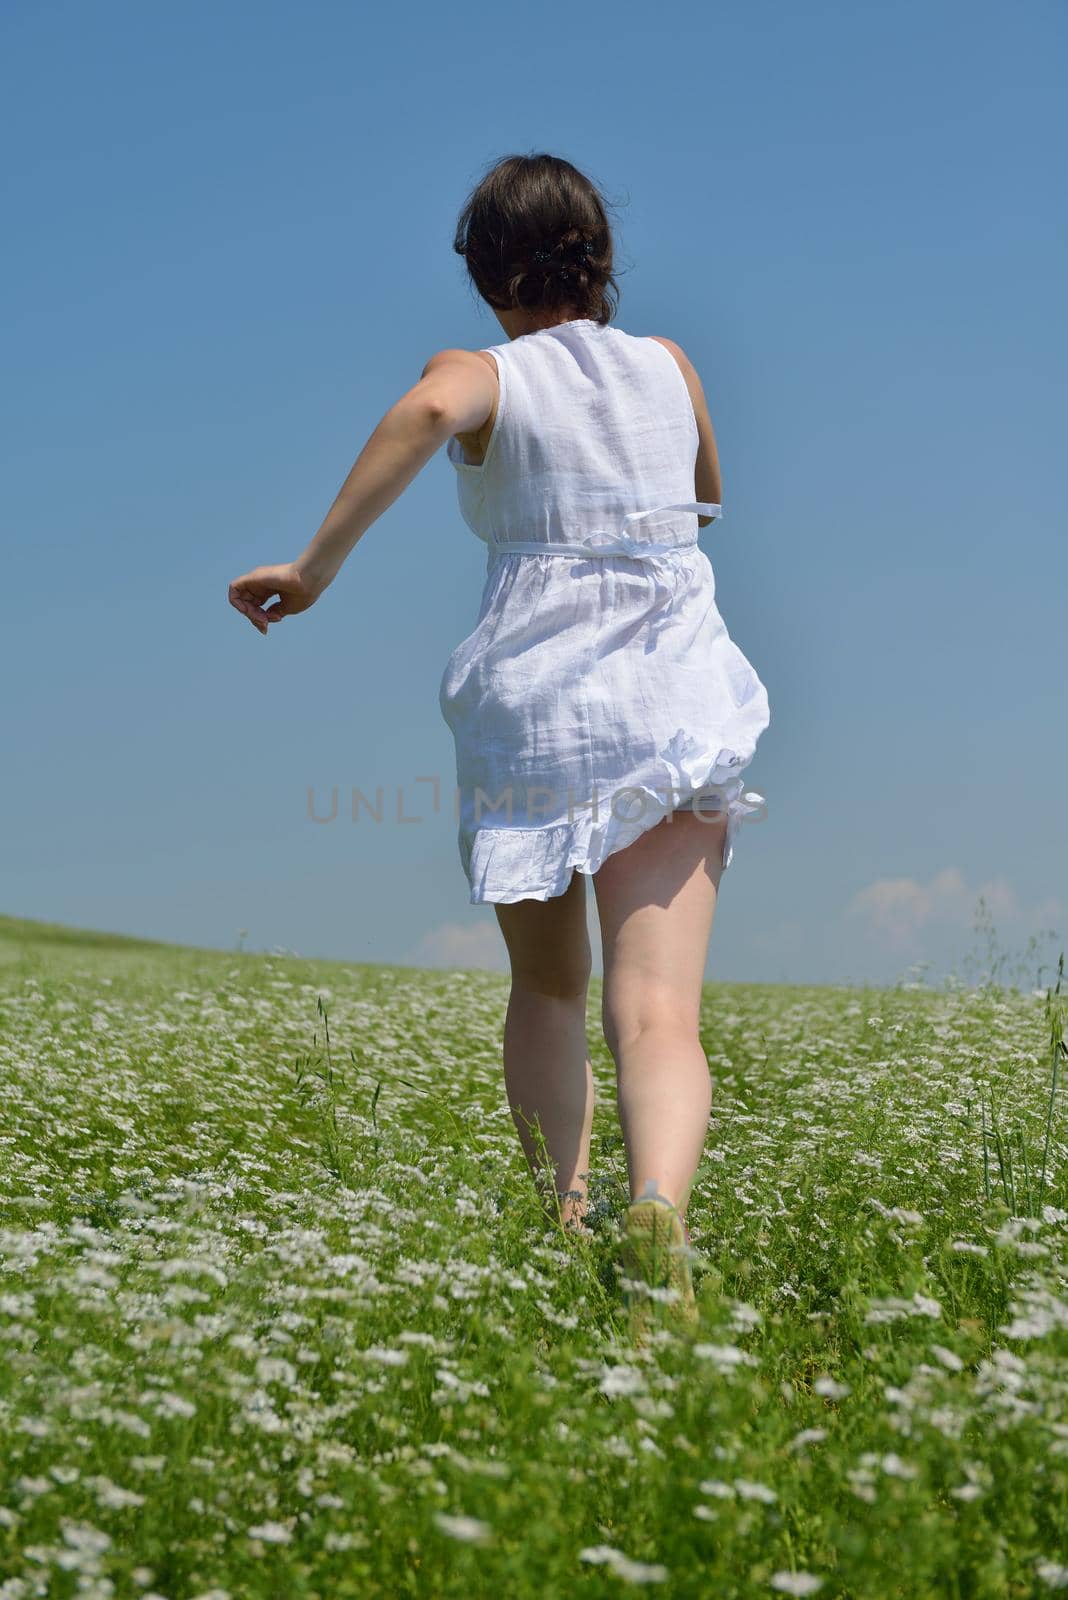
column 295, row 593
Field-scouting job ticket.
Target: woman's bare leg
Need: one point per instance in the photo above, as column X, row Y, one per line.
column 656, row 900
column 547, row 1070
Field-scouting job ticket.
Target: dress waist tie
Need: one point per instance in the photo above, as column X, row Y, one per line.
column 622, row 544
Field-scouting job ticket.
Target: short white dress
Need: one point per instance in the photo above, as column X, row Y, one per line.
column 599, row 689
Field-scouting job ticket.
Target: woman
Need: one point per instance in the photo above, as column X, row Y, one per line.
column 602, row 715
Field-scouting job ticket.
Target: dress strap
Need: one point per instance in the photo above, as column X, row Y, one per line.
column 703, row 508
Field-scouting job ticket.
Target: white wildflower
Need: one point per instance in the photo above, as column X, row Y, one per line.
column 807, row 1436
column 745, row 1316
column 622, row 1380
column 831, row 1389
column 271, row 1532
column 36, row 1427
column 639, row 1571
column 623, row 1567
column 469, row 1530
column 755, row 1491
column 180, row 1264
column 896, row 1213
column 1036, row 1313
column 173, row 1405
column 274, row 1369
column 385, row 1356
column 795, row 1582
column 894, row 1308
column 33, row 1486
column 724, row 1356
column 82, row 1536
column 112, row 1496
column 948, row 1358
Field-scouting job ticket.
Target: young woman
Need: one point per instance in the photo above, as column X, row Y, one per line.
column 602, row 715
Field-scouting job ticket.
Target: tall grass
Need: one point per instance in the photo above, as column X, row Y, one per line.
column 282, row 1314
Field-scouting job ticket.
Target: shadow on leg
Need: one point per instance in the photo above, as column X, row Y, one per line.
column 547, row 1071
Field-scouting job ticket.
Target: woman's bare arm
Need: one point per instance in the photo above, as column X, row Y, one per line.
column 709, row 483
column 455, row 395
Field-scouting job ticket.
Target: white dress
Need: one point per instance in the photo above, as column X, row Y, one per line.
column 599, row 689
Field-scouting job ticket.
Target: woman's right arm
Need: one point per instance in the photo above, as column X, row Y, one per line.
column 456, row 393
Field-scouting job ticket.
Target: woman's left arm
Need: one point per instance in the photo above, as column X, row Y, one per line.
column 455, row 394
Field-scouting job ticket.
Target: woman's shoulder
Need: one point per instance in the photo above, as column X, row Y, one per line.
column 684, row 364
column 673, row 349
column 453, row 356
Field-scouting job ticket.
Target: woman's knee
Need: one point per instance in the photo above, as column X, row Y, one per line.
column 552, row 979
column 630, row 1016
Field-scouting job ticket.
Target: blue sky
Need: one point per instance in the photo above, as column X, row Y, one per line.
column 228, row 251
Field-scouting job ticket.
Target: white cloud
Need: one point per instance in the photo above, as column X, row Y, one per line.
column 480, row 943
column 460, row 944
column 897, row 910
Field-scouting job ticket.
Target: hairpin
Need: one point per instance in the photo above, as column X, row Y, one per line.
column 582, row 249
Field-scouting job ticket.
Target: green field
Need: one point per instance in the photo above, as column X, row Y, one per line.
column 287, row 1320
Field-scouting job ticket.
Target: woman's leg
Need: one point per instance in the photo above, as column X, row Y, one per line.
column 656, row 900
column 547, row 1070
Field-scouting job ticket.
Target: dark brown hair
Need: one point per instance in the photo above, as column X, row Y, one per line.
column 534, row 233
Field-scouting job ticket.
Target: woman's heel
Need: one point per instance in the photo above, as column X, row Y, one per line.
column 657, row 1281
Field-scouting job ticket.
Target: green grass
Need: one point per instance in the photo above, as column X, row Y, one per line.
column 278, row 1321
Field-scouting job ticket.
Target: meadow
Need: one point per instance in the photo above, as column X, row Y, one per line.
column 282, row 1316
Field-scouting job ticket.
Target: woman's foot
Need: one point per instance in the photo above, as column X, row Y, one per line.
column 568, row 1213
column 656, row 1278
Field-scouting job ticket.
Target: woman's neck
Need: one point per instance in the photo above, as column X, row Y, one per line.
column 517, row 322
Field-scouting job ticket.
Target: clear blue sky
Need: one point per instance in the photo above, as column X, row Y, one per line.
column 228, row 251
